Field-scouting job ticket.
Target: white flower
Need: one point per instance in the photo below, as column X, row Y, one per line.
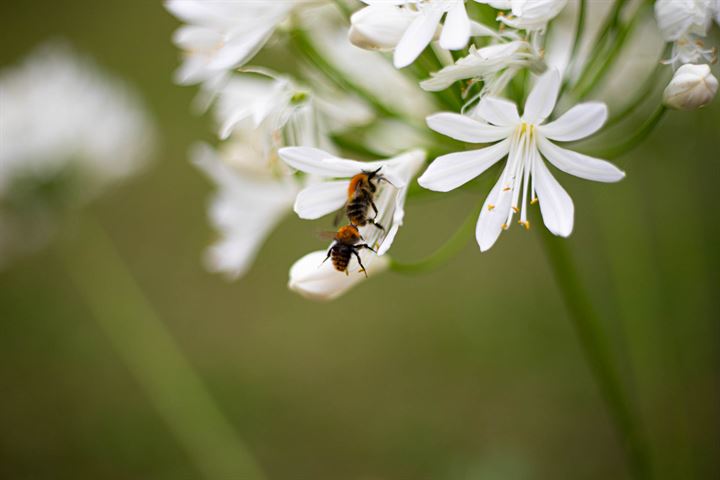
column 495, row 65
column 246, row 208
column 315, row 279
column 684, row 22
column 259, row 114
column 67, row 131
column 222, row 34
column 692, row 87
column 529, row 15
column 322, row 198
column 524, row 140
column 411, row 28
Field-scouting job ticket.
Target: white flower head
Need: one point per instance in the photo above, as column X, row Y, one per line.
column 222, row 34
column 692, row 87
column 245, row 209
column 494, row 65
column 316, row 279
column 321, row 198
column 525, row 141
column 67, row 131
column 685, row 23
column 408, row 26
column 528, row 15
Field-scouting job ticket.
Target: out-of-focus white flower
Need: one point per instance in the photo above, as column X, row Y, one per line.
column 525, row 140
column 494, row 65
column 245, row 209
column 319, row 199
column 67, row 130
column 685, row 22
column 259, row 114
column 315, row 279
column 692, row 87
column 529, row 15
column 408, row 26
column 222, row 34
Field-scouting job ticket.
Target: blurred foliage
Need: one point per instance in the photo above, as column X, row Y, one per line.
column 472, row 372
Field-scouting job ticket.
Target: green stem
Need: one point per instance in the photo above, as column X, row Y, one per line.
column 307, row 48
column 448, row 250
column 597, row 350
column 584, row 89
column 147, row 347
column 344, row 9
column 636, row 139
column 579, row 33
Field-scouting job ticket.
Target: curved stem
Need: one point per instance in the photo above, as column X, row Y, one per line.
column 448, row 250
column 148, row 349
column 598, row 353
column 344, row 9
column 307, row 48
column 636, row 139
column 579, row 33
column 642, row 94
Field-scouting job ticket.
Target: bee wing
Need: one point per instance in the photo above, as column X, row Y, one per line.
column 327, row 235
column 339, row 215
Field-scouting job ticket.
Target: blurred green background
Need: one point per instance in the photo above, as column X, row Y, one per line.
column 472, row 372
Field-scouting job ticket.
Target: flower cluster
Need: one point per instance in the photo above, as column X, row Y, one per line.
column 685, row 23
column 345, row 129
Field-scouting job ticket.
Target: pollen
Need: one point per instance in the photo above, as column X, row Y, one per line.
column 505, row 226
column 525, row 224
column 491, row 207
column 534, row 201
column 516, row 209
column 506, row 189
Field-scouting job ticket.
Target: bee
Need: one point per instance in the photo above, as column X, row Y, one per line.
column 345, row 244
column 361, row 192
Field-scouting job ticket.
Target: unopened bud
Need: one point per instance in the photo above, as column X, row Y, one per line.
column 692, row 87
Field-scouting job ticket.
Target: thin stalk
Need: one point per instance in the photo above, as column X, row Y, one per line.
column 448, row 250
column 636, row 138
column 579, row 33
column 583, row 90
column 598, row 353
column 148, row 349
column 344, row 9
column 642, row 93
column 307, row 48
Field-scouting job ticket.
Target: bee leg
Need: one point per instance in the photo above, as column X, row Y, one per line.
column 374, row 207
column 376, row 224
column 328, row 254
column 365, row 245
column 362, row 267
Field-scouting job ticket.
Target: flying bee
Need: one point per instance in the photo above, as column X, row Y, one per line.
column 345, row 244
column 361, row 192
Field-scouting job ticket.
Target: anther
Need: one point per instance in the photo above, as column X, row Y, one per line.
column 491, row 207
column 525, row 224
column 534, row 201
column 516, row 209
column 505, row 226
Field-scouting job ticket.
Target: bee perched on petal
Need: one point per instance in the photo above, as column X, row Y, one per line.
column 345, row 245
column 360, row 198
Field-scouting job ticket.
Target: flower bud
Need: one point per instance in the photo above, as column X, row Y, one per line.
column 379, row 27
column 316, row 279
column 692, row 87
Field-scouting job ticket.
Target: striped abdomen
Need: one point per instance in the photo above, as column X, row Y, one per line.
column 341, row 256
column 357, row 210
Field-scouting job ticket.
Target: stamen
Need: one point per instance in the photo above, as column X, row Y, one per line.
column 491, row 207
column 525, row 224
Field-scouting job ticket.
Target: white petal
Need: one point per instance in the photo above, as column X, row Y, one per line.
column 318, row 162
column 451, row 171
column 579, row 122
column 466, row 129
column 493, row 216
column 456, row 31
column 580, row 165
column 417, row 37
column 320, row 199
column 379, row 27
column 498, row 111
column 556, row 206
column 313, row 279
column 542, row 98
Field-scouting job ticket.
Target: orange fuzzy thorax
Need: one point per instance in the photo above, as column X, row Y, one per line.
column 355, row 181
column 348, row 234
